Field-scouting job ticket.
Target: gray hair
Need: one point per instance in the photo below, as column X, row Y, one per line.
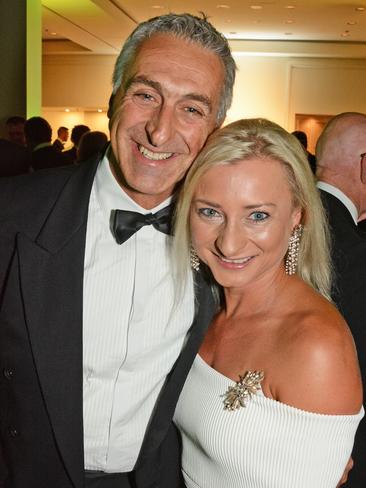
column 184, row 26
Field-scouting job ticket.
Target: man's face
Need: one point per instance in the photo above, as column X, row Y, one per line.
column 168, row 109
column 64, row 135
column 16, row 133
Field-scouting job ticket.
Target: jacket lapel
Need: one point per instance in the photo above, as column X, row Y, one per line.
column 51, row 279
column 167, row 401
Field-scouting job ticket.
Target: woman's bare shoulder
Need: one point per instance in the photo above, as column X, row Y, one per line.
column 320, row 371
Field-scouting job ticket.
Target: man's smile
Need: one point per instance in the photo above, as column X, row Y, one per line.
column 156, row 156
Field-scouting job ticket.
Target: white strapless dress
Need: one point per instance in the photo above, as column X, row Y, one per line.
column 267, row 444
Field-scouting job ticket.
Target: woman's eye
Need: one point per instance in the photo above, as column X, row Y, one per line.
column 208, row 212
column 259, row 216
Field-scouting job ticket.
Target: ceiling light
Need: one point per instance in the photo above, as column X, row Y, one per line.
column 288, row 33
column 289, row 21
column 53, row 33
column 290, row 6
column 360, row 9
column 352, row 22
column 99, row 110
column 345, row 33
column 157, row 6
column 222, row 5
column 67, row 110
column 256, row 7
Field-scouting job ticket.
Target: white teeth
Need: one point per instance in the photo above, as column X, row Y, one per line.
column 153, row 155
column 236, row 261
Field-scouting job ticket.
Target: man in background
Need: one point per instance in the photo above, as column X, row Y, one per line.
column 38, row 135
column 62, row 137
column 303, row 139
column 341, row 171
column 15, row 129
column 70, row 156
column 94, row 346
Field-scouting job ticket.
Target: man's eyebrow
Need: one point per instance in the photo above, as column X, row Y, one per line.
column 197, row 97
column 144, row 81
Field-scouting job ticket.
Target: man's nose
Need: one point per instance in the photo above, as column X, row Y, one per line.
column 231, row 240
column 160, row 126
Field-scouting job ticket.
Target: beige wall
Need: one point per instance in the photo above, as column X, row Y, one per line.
column 272, row 86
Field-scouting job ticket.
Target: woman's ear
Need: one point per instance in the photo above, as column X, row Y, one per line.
column 296, row 216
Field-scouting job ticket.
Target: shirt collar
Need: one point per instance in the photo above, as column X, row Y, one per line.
column 336, row 192
column 43, row 144
column 111, row 196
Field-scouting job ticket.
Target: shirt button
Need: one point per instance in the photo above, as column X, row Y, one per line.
column 8, row 373
column 13, row 432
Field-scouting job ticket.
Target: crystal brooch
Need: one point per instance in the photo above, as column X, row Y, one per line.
column 247, row 385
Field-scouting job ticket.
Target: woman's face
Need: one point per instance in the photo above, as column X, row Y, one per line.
column 242, row 216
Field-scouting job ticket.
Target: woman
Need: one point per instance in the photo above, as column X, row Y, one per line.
column 274, row 397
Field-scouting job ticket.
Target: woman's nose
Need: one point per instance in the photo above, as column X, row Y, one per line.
column 231, row 240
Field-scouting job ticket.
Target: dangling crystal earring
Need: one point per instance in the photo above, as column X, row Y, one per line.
column 292, row 255
column 194, row 259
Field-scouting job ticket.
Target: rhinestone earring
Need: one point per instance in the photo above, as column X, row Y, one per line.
column 292, row 255
column 194, row 259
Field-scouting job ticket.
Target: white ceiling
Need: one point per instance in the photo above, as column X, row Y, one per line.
column 101, row 26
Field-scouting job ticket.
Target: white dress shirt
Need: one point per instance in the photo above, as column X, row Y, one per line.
column 131, row 334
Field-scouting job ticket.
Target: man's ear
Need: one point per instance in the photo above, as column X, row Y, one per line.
column 363, row 170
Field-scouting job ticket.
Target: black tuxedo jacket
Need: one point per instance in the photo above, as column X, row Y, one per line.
column 43, row 219
column 349, row 294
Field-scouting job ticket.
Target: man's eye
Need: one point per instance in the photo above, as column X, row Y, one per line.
column 144, row 97
column 208, row 212
column 194, row 111
column 259, row 216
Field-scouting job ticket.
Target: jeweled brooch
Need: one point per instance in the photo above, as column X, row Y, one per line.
column 247, row 385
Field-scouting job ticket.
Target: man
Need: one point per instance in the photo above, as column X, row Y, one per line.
column 341, row 170
column 15, row 128
column 303, row 139
column 62, row 136
column 94, row 347
column 38, row 134
column 70, row 156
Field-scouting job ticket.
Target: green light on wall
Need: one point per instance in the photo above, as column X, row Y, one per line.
column 34, row 58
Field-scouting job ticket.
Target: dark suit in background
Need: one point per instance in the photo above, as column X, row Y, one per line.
column 349, row 294
column 14, row 159
column 58, row 145
column 46, row 157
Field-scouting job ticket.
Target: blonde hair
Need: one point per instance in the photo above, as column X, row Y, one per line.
column 259, row 138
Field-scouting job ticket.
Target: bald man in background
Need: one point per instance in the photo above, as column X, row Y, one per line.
column 341, row 173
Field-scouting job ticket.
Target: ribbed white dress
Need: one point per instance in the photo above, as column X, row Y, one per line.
column 267, row 444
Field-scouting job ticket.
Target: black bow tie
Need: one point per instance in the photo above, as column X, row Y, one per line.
column 125, row 223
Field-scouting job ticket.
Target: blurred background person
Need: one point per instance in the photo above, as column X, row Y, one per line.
column 14, row 158
column 38, row 134
column 91, row 143
column 303, row 138
column 70, row 156
column 15, row 129
column 62, row 137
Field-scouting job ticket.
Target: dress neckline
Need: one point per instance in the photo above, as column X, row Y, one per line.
column 277, row 404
